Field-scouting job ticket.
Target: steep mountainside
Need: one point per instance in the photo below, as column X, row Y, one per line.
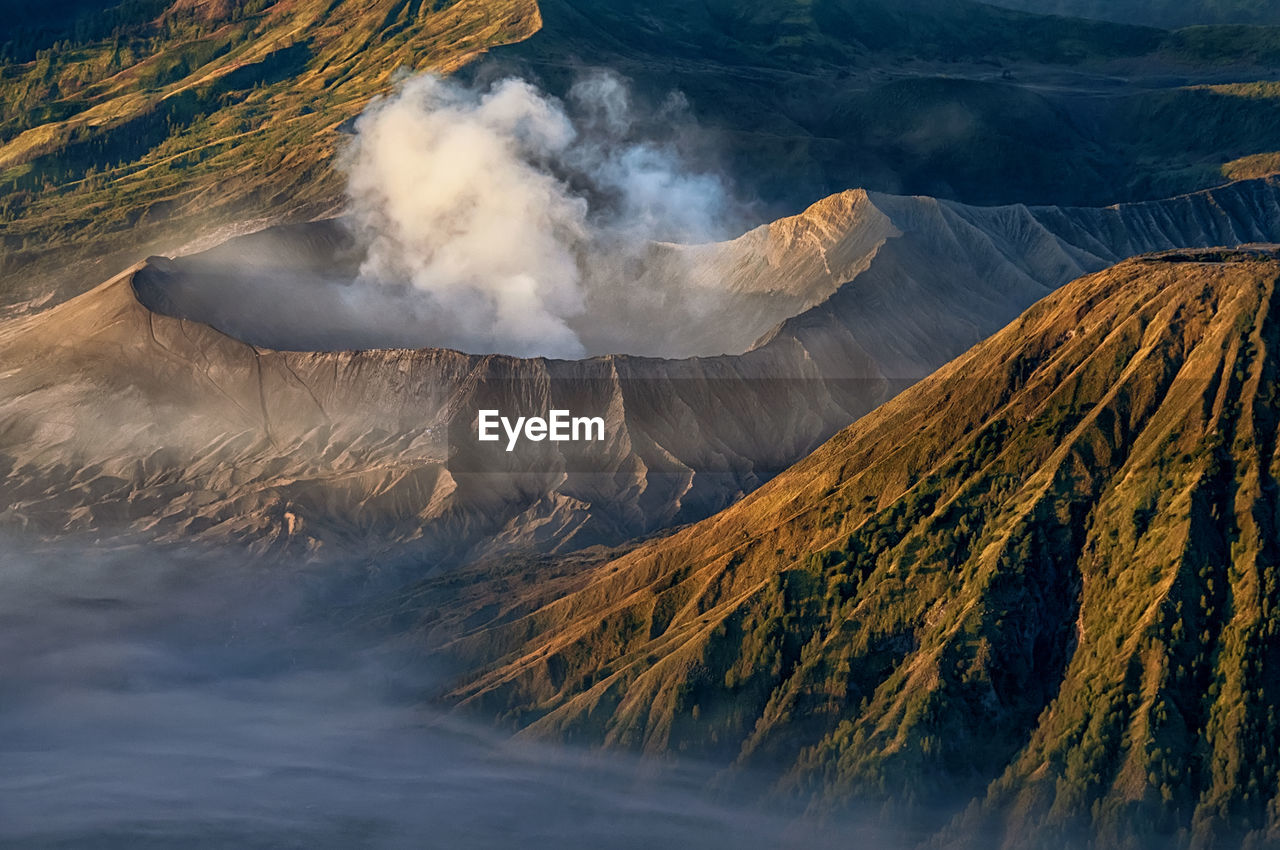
column 331, row 450
column 142, row 127
column 958, row 274
column 1043, row 580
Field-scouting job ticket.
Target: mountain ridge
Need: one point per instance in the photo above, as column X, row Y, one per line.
column 1010, row 586
column 1159, row 13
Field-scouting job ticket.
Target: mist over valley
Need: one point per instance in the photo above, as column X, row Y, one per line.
column 926, row 352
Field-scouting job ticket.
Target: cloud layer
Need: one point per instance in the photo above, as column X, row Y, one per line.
column 154, row 698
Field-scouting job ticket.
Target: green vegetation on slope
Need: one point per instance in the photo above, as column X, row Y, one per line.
column 1044, row 579
column 167, row 126
column 1225, row 45
column 31, row 25
column 1251, row 167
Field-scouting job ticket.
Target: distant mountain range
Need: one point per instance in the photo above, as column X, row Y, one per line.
column 946, row 98
column 1167, row 14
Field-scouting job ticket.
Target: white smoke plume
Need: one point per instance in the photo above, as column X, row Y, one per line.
column 510, row 213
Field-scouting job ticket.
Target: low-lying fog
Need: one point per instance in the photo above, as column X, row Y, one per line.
column 152, row 699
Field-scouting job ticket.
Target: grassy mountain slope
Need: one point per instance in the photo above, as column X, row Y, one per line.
column 1043, row 579
column 136, row 139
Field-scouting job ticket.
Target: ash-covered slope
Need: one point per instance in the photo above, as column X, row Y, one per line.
column 117, row 418
column 1043, row 580
column 957, row 274
column 136, row 408
column 913, row 281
